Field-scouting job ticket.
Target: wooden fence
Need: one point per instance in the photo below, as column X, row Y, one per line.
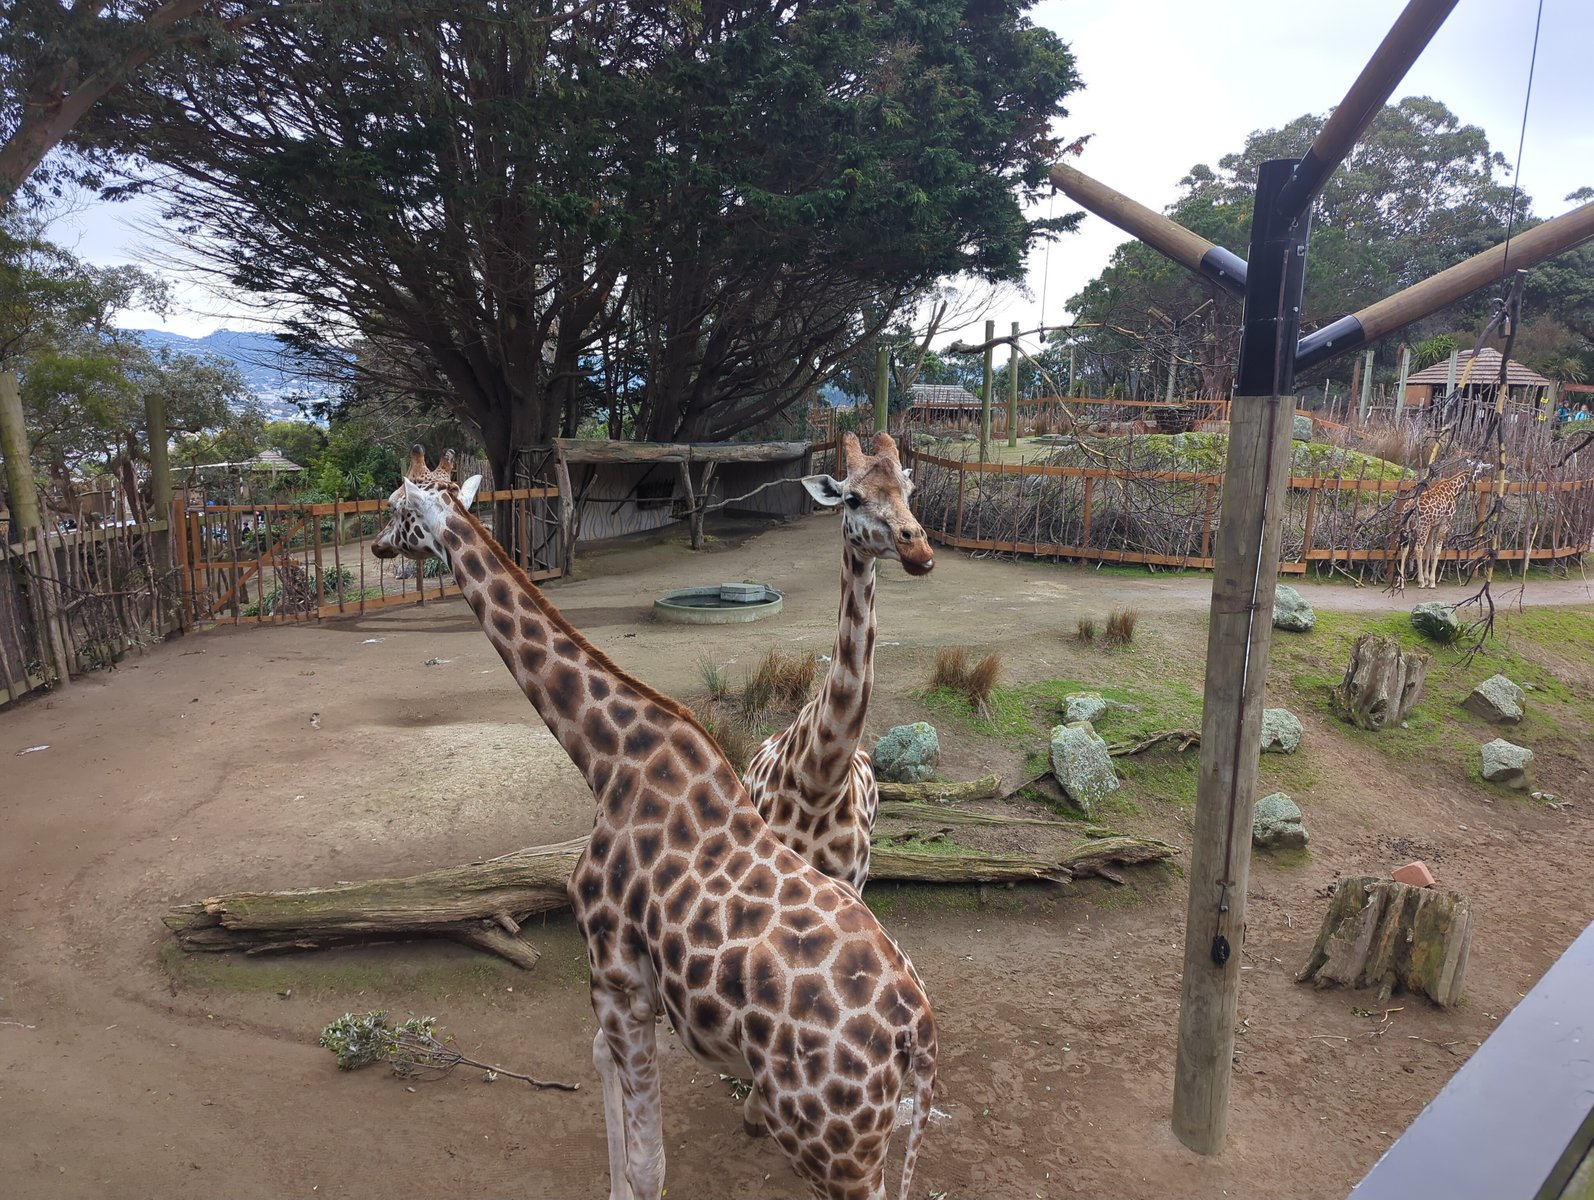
column 76, row 600
column 277, row 563
column 1169, row 518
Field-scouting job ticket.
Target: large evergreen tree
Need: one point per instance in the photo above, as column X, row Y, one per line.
column 513, row 198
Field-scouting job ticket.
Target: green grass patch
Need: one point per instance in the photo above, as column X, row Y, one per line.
column 1525, row 649
column 888, row 900
column 1027, row 712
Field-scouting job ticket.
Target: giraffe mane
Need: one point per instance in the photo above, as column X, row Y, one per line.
column 545, row 606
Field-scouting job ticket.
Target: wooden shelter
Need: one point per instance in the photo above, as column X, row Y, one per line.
column 615, row 488
column 1525, row 388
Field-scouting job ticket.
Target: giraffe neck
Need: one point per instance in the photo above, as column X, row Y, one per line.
column 593, row 709
column 833, row 720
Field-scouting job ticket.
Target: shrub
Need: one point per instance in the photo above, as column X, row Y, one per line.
column 1121, row 626
column 1086, row 631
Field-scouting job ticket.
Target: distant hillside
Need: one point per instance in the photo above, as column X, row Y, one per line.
column 258, row 357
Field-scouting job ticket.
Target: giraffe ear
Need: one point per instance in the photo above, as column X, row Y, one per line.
column 468, row 490
column 824, row 489
column 412, row 491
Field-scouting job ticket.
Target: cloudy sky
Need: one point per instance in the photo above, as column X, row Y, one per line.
column 1172, row 83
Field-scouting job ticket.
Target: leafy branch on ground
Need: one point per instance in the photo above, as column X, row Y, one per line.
column 412, row 1049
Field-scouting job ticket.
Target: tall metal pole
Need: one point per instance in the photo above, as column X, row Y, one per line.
column 985, row 394
column 1245, row 571
column 1012, row 391
column 882, row 387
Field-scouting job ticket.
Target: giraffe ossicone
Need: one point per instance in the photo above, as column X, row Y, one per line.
column 691, row 907
column 811, row 782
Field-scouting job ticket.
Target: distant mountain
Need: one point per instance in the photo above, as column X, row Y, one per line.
column 259, row 357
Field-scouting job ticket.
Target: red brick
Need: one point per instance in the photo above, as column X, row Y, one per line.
column 1415, row 873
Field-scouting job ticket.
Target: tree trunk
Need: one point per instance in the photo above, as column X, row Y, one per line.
column 485, row 903
column 1382, row 683
column 983, row 788
column 1388, row 935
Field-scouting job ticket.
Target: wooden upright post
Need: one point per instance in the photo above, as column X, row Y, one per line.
column 1364, row 402
column 1012, row 391
column 1245, row 564
column 160, row 494
column 27, row 524
column 882, row 388
column 1400, row 387
column 985, row 395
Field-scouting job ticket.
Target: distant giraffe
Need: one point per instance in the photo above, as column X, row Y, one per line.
column 811, row 782
column 690, row 906
column 1433, row 511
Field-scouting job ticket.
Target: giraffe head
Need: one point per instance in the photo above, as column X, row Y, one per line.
column 876, row 521
column 420, row 508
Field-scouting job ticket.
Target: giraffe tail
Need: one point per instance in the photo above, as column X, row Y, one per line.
column 921, row 1069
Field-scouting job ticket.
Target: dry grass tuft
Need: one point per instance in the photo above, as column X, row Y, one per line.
column 715, row 682
column 782, row 682
column 737, row 740
column 1086, row 632
column 974, row 684
column 1121, row 626
column 951, row 668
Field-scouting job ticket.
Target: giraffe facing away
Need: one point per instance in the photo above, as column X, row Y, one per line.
column 811, row 782
column 1433, row 511
column 691, row 906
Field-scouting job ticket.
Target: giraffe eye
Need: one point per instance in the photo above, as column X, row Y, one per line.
column 854, row 500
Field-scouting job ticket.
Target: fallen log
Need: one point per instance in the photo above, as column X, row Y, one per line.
column 1389, row 935
column 484, row 904
column 984, row 788
column 1185, row 737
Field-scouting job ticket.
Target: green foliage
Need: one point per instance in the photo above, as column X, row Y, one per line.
column 1420, row 192
column 726, row 195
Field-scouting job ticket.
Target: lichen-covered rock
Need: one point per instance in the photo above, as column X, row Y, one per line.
column 1506, row 763
column 1083, row 706
column 1082, row 766
column 1277, row 824
column 1281, row 731
column 1301, row 428
column 1497, row 700
column 1291, row 611
column 908, row 754
column 1436, row 621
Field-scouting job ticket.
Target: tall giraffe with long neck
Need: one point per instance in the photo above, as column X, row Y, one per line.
column 811, row 782
column 1432, row 512
column 691, row 906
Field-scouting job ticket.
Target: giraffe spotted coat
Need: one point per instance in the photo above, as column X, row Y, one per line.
column 811, row 782
column 691, row 907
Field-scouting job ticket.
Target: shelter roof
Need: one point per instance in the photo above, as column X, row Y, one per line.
column 1486, row 370
column 943, row 395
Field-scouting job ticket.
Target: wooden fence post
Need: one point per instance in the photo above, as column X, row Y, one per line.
column 26, row 521
column 985, row 394
column 1012, row 391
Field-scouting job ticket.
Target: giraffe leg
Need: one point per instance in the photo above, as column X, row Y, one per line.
column 613, row 1116
column 630, row 1041
column 754, row 1123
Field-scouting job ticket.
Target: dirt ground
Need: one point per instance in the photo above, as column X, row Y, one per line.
column 129, row 1069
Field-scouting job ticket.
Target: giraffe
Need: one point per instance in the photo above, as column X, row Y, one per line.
column 810, row 781
column 1432, row 509
column 691, row 907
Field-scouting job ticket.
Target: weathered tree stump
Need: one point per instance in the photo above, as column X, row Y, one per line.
column 1388, row 935
column 484, row 904
column 1382, row 683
